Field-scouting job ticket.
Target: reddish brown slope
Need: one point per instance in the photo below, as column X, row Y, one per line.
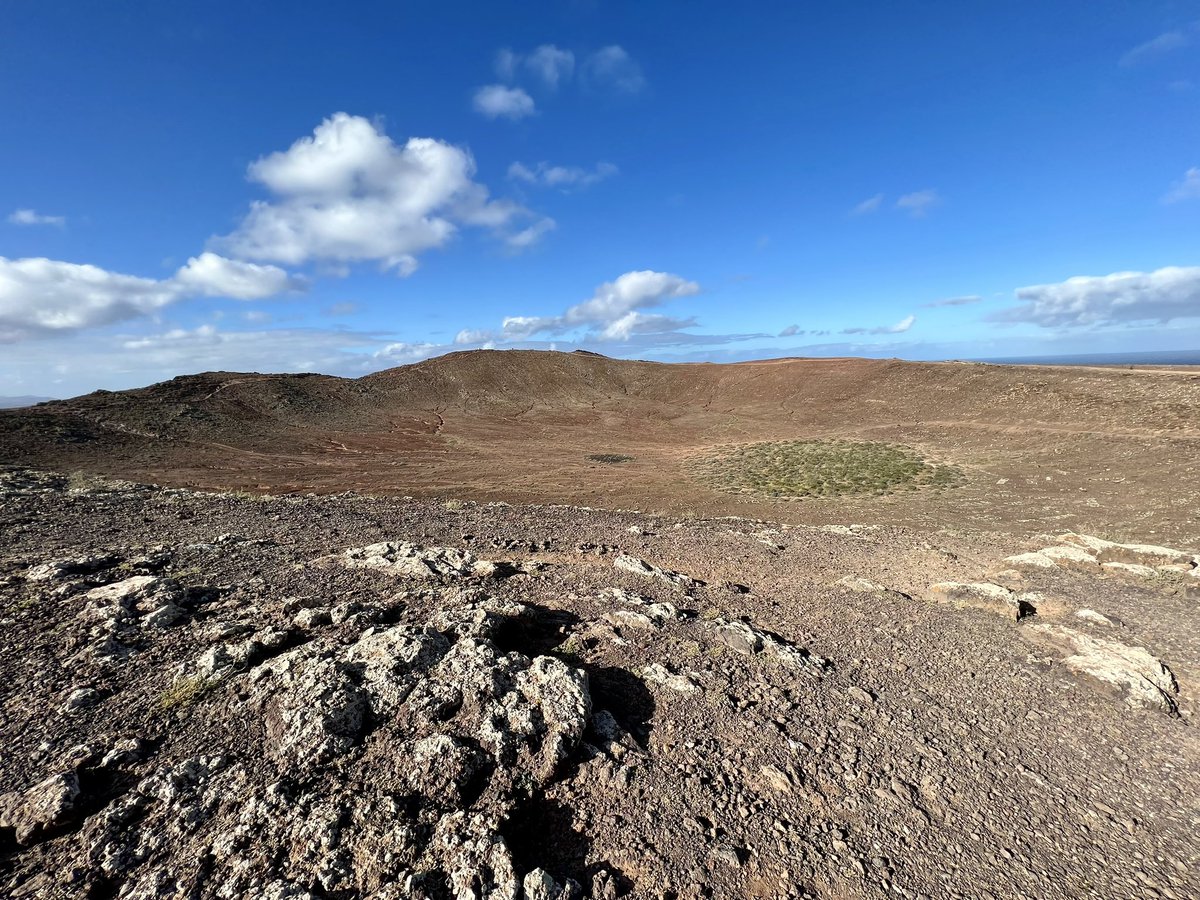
column 1041, row 446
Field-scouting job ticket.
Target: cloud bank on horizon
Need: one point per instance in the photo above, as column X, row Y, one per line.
column 570, row 195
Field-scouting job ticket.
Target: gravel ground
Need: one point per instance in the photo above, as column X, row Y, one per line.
column 204, row 695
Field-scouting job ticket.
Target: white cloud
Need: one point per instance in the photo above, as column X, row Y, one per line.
column 85, row 361
column 472, row 336
column 210, row 275
column 496, row 101
column 791, row 331
column 551, row 65
column 402, row 353
column 527, row 237
column 545, row 175
column 33, row 217
column 642, row 323
column 350, row 194
column 1186, row 189
column 1165, row 43
column 954, row 301
column 46, row 296
column 870, row 205
column 206, row 348
column 899, row 328
column 918, row 203
column 612, row 68
column 611, row 313
column 1085, row 300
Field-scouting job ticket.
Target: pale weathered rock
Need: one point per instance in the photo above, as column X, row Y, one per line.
column 1132, row 672
column 539, row 885
column 313, row 617
column 1134, row 569
column 58, row 569
column 660, row 674
column 986, row 596
column 479, row 864
column 1137, row 554
column 629, row 618
column 635, row 566
column 80, row 698
column 858, row 583
column 404, row 558
column 128, row 591
column 312, row 707
column 750, row 641
column 42, row 810
column 1035, row 560
column 1095, row 618
column 1071, row 558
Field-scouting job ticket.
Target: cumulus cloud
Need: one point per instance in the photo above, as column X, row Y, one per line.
column 1122, row 297
column 350, row 194
column 967, row 300
column 632, row 323
column 551, row 65
column 918, row 203
column 497, row 101
column 1161, row 45
column 41, row 296
column 527, row 237
column 613, row 312
column 472, row 336
column 612, row 68
column 1188, row 188
column 870, row 205
column 208, row 348
column 33, row 217
column 545, row 175
column 402, row 353
column 210, row 275
column 899, row 328
column 45, row 295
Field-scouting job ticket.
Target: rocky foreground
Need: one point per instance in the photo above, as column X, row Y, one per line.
column 215, row 695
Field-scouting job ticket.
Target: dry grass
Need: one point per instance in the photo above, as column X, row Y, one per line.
column 799, row 469
column 186, row 692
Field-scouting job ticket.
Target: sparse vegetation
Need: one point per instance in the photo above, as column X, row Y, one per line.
column 610, row 458
column 572, row 646
column 798, row 469
column 455, row 505
column 251, row 496
column 81, row 481
column 186, row 692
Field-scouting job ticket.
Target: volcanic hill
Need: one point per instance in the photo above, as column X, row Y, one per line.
column 1035, row 447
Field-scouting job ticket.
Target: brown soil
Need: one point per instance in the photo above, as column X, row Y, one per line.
column 1110, row 451
column 887, row 744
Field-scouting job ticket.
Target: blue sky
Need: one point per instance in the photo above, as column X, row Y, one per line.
column 345, row 187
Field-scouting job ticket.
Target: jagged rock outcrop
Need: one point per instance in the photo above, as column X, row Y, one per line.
column 746, row 639
column 986, row 596
column 1132, row 672
column 635, row 566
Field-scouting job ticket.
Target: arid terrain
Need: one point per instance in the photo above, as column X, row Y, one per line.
column 1094, row 449
column 529, row 625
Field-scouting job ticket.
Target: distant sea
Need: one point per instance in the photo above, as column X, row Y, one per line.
column 1145, row 358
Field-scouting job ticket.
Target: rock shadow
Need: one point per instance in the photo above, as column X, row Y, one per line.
column 625, row 696
column 535, row 632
